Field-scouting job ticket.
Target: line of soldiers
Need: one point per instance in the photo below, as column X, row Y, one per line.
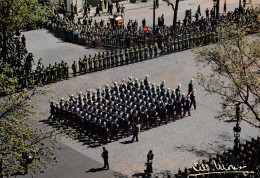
column 119, row 57
column 42, row 75
column 248, row 155
column 110, row 112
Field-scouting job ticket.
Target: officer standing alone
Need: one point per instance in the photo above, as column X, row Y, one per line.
column 104, row 155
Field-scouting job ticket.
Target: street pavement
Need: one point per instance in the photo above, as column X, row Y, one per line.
column 175, row 145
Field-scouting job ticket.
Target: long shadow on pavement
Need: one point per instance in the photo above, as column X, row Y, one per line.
column 96, row 169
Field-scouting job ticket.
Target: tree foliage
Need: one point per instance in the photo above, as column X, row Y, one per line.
column 235, row 73
column 18, row 137
column 20, row 14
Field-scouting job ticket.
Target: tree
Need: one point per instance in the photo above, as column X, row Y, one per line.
column 19, row 14
column 18, row 138
column 235, row 75
column 175, row 9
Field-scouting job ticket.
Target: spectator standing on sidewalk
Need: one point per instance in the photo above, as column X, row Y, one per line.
column 104, row 155
column 136, row 131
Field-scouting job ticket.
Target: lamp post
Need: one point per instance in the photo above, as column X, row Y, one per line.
column 237, row 128
column 153, row 16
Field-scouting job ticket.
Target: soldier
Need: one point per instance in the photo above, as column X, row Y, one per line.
column 136, row 55
column 99, row 61
column 95, row 62
column 74, row 68
column 53, row 72
column 145, row 52
column 192, row 99
column 23, row 40
column 116, row 57
column 121, row 57
column 187, row 105
column 67, row 70
column 59, row 72
column 112, row 57
column 108, row 59
column 141, row 49
column 40, row 64
column 48, row 72
column 43, row 75
column 163, row 48
column 90, row 61
column 155, row 49
column 80, row 65
column 131, row 52
column 150, row 51
column 85, row 64
column 104, row 58
column 190, row 86
column 126, row 55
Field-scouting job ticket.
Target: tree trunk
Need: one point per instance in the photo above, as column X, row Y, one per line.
column 175, row 14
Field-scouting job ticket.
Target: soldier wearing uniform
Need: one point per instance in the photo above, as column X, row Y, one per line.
column 136, row 51
column 155, row 49
column 116, row 57
column 121, row 57
column 150, row 51
column 108, row 59
column 85, row 64
column 112, row 57
column 145, row 52
column 67, row 70
column 80, row 66
column 126, row 55
column 74, row 68
column 90, row 61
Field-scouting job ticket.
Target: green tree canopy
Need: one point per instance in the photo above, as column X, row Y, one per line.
column 19, row 138
column 19, row 14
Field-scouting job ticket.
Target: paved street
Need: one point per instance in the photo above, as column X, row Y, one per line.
column 175, row 145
